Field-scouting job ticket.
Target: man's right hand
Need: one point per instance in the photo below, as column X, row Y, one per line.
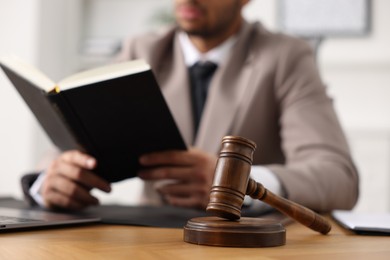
column 69, row 180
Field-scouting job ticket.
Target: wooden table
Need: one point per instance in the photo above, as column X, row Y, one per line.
column 129, row 242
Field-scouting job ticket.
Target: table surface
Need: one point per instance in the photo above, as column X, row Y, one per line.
column 100, row 241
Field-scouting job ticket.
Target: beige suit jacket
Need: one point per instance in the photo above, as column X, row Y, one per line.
column 269, row 91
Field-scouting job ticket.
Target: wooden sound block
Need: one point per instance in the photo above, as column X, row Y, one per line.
column 245, row 232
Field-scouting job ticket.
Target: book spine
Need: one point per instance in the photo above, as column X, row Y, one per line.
column 63, row 107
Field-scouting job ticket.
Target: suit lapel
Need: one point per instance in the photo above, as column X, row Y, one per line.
column 226, row 92
column 173, row 78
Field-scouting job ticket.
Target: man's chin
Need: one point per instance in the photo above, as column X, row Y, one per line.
column 195, row 31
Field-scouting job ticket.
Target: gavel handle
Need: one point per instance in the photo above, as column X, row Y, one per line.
column 298, row 212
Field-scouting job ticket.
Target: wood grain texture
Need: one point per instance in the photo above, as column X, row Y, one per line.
column 130, row 242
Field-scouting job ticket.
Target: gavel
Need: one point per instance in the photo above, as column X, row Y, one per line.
column 231, row 183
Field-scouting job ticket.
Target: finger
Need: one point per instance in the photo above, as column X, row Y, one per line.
column 174, row 157
column 78, row 158
column 182, row 174
column 54, row 199
column 80, row 175
column 67, row 188
column 74, row 191
column 89, row 180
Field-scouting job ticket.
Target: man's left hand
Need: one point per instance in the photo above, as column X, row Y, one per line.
column 191, row 172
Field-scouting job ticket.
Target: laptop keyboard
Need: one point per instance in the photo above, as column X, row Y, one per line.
column 9, row 220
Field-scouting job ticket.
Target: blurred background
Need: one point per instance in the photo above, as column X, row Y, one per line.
column 60, row 37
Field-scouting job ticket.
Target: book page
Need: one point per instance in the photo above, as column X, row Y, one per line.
column 28, row 72
column 103, row 73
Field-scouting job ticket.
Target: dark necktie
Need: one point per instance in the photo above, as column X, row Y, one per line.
column 200, row 77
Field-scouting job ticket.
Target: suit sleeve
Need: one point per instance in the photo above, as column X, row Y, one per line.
column 319, row 172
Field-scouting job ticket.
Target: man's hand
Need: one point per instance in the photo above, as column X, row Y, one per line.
column 69, row 180
column 192, row 173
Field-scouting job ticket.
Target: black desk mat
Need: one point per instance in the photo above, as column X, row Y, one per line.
column 161, row 216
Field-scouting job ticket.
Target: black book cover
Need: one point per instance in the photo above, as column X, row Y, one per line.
column 115, row 120
column 123, row 119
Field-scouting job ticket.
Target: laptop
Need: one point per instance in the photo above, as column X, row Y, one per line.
column 16, row 218
column 363, row 223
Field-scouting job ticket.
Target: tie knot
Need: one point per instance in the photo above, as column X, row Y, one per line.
column 204, row 69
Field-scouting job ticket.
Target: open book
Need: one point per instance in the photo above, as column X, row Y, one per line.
column 115, row 113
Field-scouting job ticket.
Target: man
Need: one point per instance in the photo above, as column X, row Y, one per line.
column 265, row 87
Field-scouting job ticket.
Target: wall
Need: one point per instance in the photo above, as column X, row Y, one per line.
column 357, row 72
column 19, row 31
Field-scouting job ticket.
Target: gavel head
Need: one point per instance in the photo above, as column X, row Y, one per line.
column 231, row 177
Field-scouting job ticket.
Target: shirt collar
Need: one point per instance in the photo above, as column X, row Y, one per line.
column 216, row 55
